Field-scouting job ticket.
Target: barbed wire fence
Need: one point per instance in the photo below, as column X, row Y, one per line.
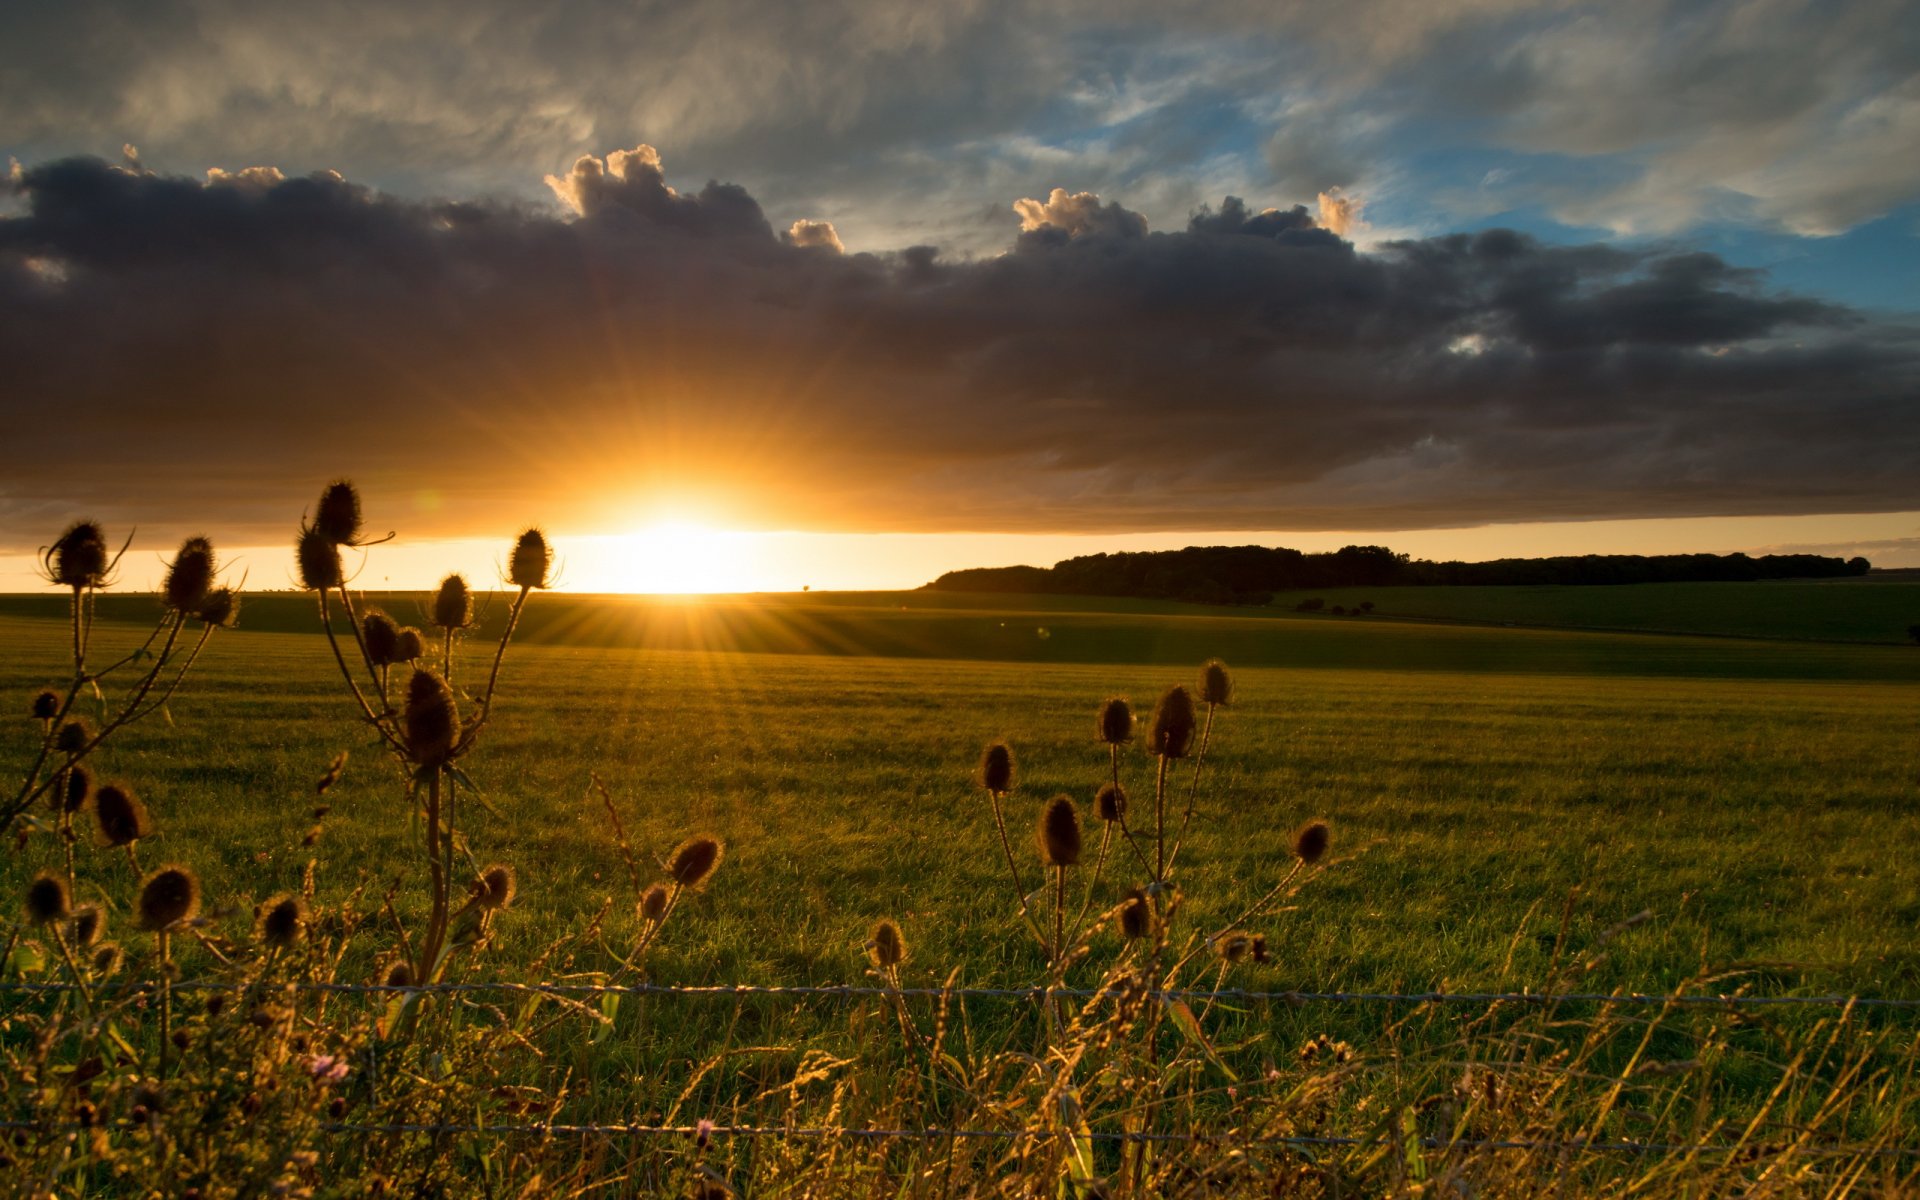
column 705, row 1129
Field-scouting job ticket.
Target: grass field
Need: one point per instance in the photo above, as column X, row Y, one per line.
column 1499, row 798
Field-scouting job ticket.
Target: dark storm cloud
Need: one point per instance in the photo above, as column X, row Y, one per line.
column 188, row 353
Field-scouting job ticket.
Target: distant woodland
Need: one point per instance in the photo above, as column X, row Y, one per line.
column 1252, row 574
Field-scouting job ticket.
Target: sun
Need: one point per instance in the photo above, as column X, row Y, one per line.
column 672, row 557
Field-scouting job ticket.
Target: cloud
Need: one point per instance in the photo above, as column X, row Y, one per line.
column 201, row 353
column 815, row 233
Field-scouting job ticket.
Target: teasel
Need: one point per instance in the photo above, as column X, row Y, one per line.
column 1058, row 835
column 409, row 646
column 431, row 722
column 221, row 609
column 495, row 888
column 1216, row 690
column 1136, row 915
column 73, row 737
column 46, row 705
column 695, row 861
column 168, row 897
column 886, row 947
column 996, row 775
column 319, row 561
column 282, row 922
column 1233, row 947
column 452, row 605
column 48, row 899
column 79, row 559
column 1311, row 840
column 380, row 634
column 89, row 922
column 337, row 517
column 1216, row 684
column 399, row 975
column 532, row 561
column 189, row 577
column 1111, row 802
column 121, row 816
column 78, row 790
column 106, row 959
column 1171, row 733
column 1115, row 724
column 996, row 768
column 655, row 901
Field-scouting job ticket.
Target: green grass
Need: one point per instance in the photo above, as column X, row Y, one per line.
column 1844, row 610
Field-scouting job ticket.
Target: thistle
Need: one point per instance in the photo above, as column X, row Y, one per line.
column 886, row 948
column 1310, row 842
column 1115, row 724
column 79, row 559
column 121, row 816
column 319, row 560
column 168, row 897
column 1171, row 733
column 695, row 861
column 430, row 721
column 452, row 605
column 1058, row 833
column 1110, row 802
column 189, row 577
column 532, row 560
column 337, row 519
column 381, row 636
column 495, row 888
column 283, row 921
column 996, row 768
column 48, row 899
column 46, row 705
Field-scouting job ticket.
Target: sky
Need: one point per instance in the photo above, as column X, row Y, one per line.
column 753, row 295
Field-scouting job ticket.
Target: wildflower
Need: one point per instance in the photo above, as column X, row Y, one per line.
column 886, row 947
column 381, row 636
column 409, row 645
column 452, row 604
column 1111, row 802
column 1136, row 915
column 1216, row 684
column 1310, row 841
column 79, row 788
column 327, row 1068
column 48, row 899
column 337, row 519
column 73, row 737
column 653, row 902
column 431, row 722
column 495, row 888
column 167, row 897
column 221, row 609
column 319, row 560
column 702, row 1132
column 189, row 577
column 695, row 861
column 283, row 921
column 79, row 559
column 1059, row 833
column 46, row 705
column 996, row 768
column 89, row 922
column 1115, row 725
column 532, row 559
column 1171, row 734
column 120, row 814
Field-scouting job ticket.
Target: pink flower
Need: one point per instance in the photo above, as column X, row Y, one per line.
column 702, row 1132
column 326, row 1068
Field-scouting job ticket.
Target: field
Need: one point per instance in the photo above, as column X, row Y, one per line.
column 1498, row 796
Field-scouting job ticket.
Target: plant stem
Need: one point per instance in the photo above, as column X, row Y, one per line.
column 437, row 920
column 1193, row 790
column 1013, row 867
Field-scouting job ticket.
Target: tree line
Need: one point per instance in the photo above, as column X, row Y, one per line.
column 1252, row 574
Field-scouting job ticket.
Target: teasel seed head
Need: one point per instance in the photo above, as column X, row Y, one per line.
column 996, row 768
column 221, row 608
column 72, row 736
column 381, row 635
column 338, row 517
column 1216, row 683
column 695, row 861
column 48, row 899
column 319, row 560
column 1111, row 802
column 409, row 646
column 46, row 705
column 1136, row 915
column 531, row 562
column 283, row 921
column 1115, row 725
column 1171, row 735
column 121, row 816
column 452, row 604
column 653, row 901
column 1059, row 832
column 496, row 887
column 80, row 558
column 79, row 788
column 399, row 975
column 167, row 897
column 886, row 947
column 1311, row 840
column 1260, row 947
column 106, row 959
column 189, row 576
column 431, row 721
column 1233, row 947
column 89, row 922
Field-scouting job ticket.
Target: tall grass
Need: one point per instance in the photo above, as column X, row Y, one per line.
column 367, row 1044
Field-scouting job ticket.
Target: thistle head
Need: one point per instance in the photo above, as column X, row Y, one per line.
column 496, row 887
column 80, row 558
column 189, row 576
column 886, row 947
column 1136, row 915
column 409, row 646
column 1115, row 723
column 79, row 789
column 46, row 705
column 72, row 736
column 1310, row 842
column 381, row 636
column 1171, row 734
column 452, row 604
column 106, row 959
column 1058, row 833
column 319, row 560
column 1233, row 947
column 532, row 560
column 337, row 518
column 1216, row 683
column 221, row 608
column 283, row 921
column 996, row 768
column 121, row 816
column 695, row 860
column 167, row 897
column 653, row 901
column 48, row 899
column 430, row 720
column 89, row 922
column 398, row 975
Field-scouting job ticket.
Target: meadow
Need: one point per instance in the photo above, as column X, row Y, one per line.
column 1501, row 799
